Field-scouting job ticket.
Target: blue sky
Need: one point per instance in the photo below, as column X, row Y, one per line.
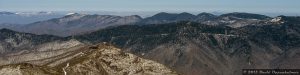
column 284, row 6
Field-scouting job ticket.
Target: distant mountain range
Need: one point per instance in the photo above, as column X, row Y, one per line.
column 187, row 47
column 231, row 19
column 192, row 48
column 74, row 24
column 26, row 17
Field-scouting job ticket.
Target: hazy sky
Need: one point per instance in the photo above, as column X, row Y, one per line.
column 290, row 6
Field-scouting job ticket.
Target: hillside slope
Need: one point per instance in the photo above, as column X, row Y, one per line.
column 75, row 24
column 103, row 59
column 192, row 48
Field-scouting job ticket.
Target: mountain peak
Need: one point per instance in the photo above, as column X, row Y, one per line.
column 172, row 16
column 6, row 30
column 135, row 16
column 103, row 59
column 175, row 14
column 6, row 13
column 70, row 17
column 205, row 14
column 162, row 14
column 245, row 15
column 73, row 14
column 186, row 14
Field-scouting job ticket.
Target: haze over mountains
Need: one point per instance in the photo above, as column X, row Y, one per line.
column 75, row 23
column 188, row 44
column 26, row 17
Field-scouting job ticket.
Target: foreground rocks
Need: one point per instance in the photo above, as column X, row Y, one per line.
column 101, row 59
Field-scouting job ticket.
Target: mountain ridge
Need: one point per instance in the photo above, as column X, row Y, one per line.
column 189, row 48
column 93, row 60
column 76, row 23
column 183, row 45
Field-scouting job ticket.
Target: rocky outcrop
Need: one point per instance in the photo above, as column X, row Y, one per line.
column 27, row 69
column 103, row 59
column 115, row 62
column 17, row 47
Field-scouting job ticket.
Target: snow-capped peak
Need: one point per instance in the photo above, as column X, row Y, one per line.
column 70, row 13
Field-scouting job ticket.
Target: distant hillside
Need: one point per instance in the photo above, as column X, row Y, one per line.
column 192, row 48
column 12, row 41
column 26, row 17
column 76, row 24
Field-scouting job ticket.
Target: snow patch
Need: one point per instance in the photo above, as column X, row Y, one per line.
column 70, row 13
column 276, row 19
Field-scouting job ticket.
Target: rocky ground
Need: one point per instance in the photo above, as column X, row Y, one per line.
column 103, row 59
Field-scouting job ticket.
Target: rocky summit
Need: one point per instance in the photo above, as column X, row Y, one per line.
column 101, row 59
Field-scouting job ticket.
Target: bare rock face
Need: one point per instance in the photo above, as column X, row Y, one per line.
column 26, row 69
column 111, row 60
column 103, row 59
column 56, row 45
column 41, row 53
